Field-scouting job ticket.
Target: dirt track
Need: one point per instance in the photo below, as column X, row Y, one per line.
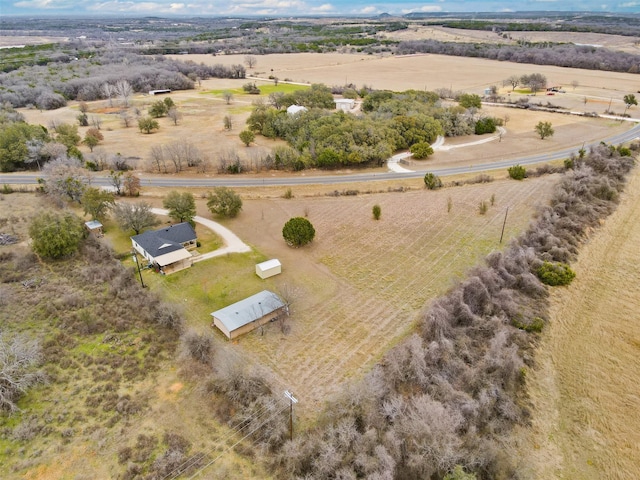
column 585, row 392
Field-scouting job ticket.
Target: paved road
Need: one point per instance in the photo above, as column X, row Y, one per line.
column 246, row 181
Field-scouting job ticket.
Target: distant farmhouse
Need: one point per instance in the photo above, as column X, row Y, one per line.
column 248, row 314
column 167, row 249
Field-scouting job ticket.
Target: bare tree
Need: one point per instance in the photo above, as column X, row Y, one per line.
column 228, row 96
column 513, row 80
column 34, row 152
column 174, row 115
column 125, row 118
column 276, row 99
column 183, row 152
column 124, row 90
column 19, row 358
column 108, row 92
column 99, row 157
column 250, row 61
column 65, row 179
column 96, row 122
column 134, row 216
column 157, row 159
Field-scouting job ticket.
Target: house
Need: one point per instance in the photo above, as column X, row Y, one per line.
column 167, row 249
column 345, row 104
column 269, row 268
column 159, row 92
column 295, row 109
column 248, row 314
column 94, row 227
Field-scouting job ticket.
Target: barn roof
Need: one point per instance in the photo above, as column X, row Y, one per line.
column 166, row 240
column 248, row 310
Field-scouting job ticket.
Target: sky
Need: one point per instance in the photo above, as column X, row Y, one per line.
column 298, row 7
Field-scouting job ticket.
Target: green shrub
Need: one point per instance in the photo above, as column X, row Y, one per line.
column 485, row 125
column 517, row 172
column 298, row 231
column 377, row 211
column 536, row 325
column 421, row 150
column 288, row 194
column 483, row 207
column 432, row 181
column 555, row 273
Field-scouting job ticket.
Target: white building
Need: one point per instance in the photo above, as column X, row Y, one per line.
column 345, row 104
column 295, row 109
column 269, row 268
column 248, row 314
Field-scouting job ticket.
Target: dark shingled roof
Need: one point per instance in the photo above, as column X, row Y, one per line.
column 166, row 240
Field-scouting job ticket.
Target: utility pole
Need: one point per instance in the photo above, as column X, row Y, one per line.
column 504, row 223
column 135, row 259
column 292, row 400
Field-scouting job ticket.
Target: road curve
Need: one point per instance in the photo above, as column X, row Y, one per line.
column 243, row 181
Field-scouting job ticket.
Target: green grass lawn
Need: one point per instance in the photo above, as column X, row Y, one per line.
column 264, row 90
column 209, row 285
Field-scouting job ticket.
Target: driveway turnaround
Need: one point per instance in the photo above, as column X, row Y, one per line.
column 233, row 244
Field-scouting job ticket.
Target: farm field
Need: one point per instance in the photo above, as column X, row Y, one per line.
column 430, row 72
column 585, row 420
column 361, row 285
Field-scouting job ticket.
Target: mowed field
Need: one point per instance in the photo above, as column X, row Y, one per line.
column 360, row 286
column 585, row 397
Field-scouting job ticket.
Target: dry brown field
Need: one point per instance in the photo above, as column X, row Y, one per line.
column 430, row 72
column 361, row 285
column 585, row 421
column 445, row 34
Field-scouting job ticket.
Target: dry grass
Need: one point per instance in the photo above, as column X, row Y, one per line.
column 361, row 284
column 584, row 392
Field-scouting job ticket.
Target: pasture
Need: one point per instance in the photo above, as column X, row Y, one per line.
column 360, row 287
column 584, row 391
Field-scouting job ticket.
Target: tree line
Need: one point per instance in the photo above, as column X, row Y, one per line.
column 561, row 55
column 50, row 86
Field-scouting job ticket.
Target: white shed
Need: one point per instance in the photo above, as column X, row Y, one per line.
column 295, row 109
column 345, row 104
column 269, row 268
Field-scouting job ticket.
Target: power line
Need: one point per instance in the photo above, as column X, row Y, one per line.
column 198, row 472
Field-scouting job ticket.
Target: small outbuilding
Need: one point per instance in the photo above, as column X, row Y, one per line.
column 248, row 314
column 345, row 104
column 269, row 268
column 295, row 109
column 94, row 227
